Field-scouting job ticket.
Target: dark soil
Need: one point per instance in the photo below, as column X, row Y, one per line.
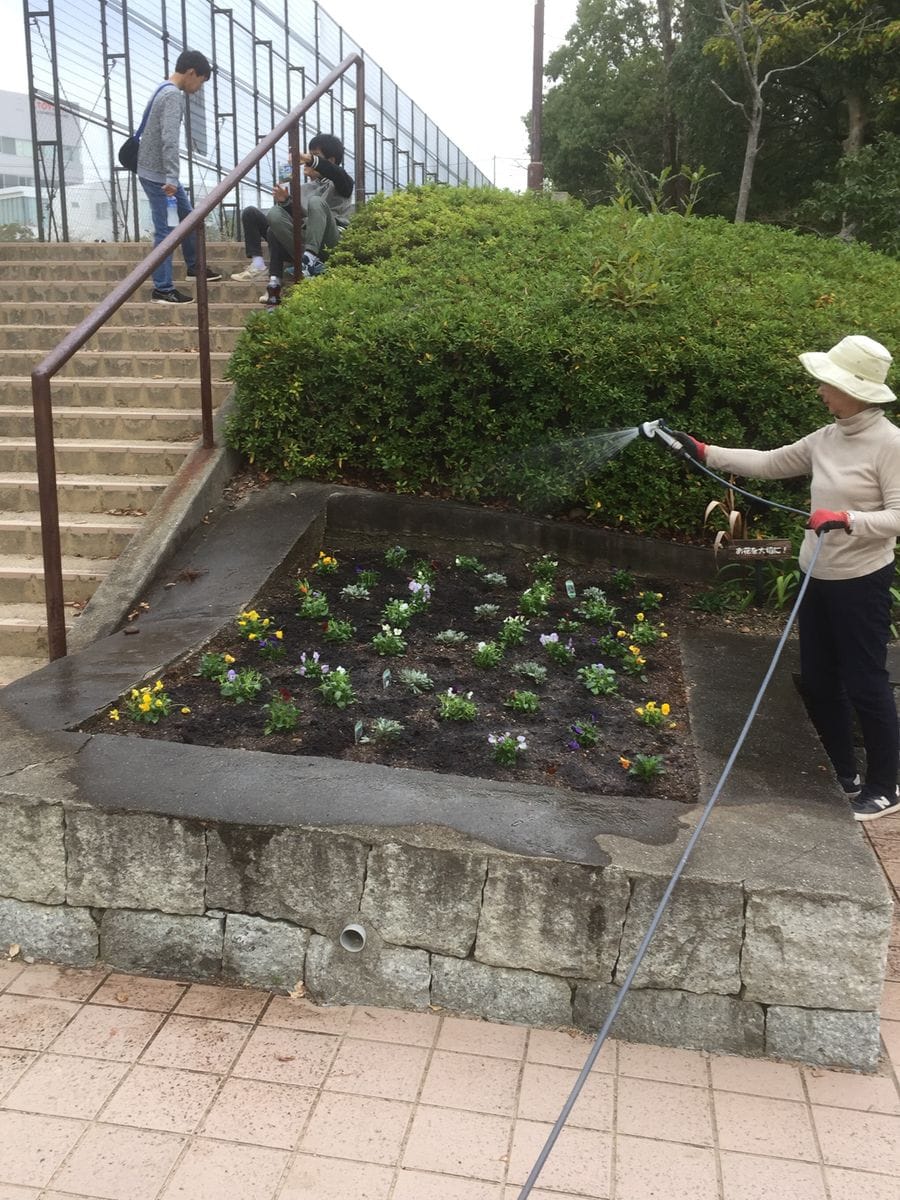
column 427, row 742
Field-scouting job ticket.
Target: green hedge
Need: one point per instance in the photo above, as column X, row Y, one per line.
column 472, row 343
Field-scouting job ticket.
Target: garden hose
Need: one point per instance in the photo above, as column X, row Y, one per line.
column 659, row 429
column 599, row 1041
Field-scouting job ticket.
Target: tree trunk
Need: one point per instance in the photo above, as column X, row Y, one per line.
column 675, row 185
column 852, row 144
column 750, row 152
column 857, row 120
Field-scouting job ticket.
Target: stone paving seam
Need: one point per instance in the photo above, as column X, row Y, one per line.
column 713, row 1120
column 815, row 1132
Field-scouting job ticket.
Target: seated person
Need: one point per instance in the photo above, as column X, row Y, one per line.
column 327, row 205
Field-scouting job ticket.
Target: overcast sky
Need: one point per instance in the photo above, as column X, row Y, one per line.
column 467, row 63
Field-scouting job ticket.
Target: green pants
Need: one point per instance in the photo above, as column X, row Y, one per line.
column 320, row 231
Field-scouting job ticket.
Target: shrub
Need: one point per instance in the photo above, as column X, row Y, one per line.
column 456, row 331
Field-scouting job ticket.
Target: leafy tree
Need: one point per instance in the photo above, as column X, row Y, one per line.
column 838, row 49
column 753, row 33
column 865, row 196
column 609, row 95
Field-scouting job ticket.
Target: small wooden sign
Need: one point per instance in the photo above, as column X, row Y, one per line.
column 757, row 549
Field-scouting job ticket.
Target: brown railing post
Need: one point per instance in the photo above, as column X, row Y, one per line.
column 49, row 504
column 206, row 413
column 296, row 207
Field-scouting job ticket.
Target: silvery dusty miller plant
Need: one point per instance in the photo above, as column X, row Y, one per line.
column 416, row 682
column 451, row 637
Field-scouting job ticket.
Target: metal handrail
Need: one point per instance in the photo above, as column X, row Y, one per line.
column 76, row 338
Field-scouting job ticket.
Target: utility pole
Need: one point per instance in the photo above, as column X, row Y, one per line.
column 536, row 166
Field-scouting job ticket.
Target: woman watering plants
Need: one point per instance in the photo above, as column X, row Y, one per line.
column 844, row 618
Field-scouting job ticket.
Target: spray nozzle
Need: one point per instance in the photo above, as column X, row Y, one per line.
column 652, row 429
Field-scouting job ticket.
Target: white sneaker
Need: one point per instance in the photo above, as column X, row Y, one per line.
column 249, row 274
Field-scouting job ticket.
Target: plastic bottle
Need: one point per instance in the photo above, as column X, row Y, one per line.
column 171, row 211
column 273, row 293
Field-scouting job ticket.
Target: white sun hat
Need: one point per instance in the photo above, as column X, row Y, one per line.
column 858, row 365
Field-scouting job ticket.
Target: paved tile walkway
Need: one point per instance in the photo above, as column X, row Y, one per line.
column 116, row 1087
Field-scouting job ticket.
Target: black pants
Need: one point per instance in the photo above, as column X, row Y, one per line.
column 256, row 230
column 844, row 630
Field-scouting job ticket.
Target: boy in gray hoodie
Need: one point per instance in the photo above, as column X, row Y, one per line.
column 157, row 169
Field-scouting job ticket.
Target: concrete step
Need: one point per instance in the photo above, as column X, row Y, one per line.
column 14, row 252
column 98, row 364
column 92, row 291
column 139, row 424
column 230, row 310
column 23, row 630
column 15, row 666
column 116, row 393
column 22, row 578
column 111, row 270
column 108, row 457
column 81, row 534
column 124, row 495
column 38, row 340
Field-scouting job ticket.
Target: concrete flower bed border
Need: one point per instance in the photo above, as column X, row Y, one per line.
column 517, row 903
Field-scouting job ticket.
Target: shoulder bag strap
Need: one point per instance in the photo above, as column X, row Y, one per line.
column 146, row 116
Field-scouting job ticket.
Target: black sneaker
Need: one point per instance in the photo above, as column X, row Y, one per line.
column 211, row 274
column 872, row 804
column 852, row 787
column 173, row 297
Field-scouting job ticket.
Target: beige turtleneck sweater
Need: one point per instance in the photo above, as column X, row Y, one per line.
column 855, row 468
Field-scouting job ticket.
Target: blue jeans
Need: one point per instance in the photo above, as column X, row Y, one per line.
column 162, row 276
column 845, row 625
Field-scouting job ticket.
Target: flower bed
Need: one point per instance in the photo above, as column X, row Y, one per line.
column 517, row 668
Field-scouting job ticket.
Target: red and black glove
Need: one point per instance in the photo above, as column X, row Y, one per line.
column 690, row 447
column 824, row 519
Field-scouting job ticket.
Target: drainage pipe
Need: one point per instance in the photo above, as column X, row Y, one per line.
column 352, row 938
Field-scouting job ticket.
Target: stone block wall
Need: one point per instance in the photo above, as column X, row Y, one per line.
column 485, row 933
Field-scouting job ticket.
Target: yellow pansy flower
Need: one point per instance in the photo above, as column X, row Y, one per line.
column 114, row 714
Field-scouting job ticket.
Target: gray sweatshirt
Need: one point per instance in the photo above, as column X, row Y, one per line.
column 855, row 468
column 158, row 155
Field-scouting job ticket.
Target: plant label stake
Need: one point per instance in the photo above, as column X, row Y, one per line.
column 570, row 589
column 386, row 678
column 357, row 732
